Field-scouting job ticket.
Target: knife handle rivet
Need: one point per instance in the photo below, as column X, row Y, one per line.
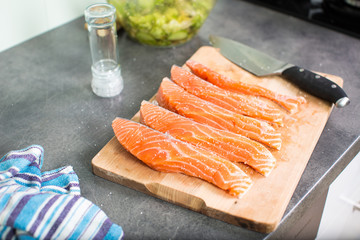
column 317, row 76
column 301, row 70
column 333, row 85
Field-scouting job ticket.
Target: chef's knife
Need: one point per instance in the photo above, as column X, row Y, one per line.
column 261, row 64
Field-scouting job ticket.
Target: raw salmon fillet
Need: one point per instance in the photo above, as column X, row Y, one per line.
column 228, row 145
column 288, row 102
column 242, row 104
column 176, row 99
column 167, row 154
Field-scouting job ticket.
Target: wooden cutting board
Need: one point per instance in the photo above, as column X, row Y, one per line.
column 263, row 206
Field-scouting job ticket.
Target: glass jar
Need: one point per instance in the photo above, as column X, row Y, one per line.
column 106, row 72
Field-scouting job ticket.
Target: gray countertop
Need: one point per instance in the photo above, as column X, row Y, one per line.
column 46, row 99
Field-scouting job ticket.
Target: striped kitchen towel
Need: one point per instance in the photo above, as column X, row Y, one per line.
column 46, row 205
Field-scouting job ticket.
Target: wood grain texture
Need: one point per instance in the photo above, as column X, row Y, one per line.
column 263, row 206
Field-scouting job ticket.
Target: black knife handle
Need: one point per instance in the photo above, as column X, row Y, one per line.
column 317, row 85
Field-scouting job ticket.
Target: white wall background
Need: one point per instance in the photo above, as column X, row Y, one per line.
column 21, row 20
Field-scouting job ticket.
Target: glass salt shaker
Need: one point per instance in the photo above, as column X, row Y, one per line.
column 107, row 80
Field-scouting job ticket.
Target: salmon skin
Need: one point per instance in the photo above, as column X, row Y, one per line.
column 228, row 145
column 176, row 99
column 241, row 104
column 167, row 154
column 288, row 102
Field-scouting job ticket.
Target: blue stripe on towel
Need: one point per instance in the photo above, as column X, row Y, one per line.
column 32, row 206
column 85, row 221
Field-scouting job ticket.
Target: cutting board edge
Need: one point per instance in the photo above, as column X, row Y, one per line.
column 152, row 189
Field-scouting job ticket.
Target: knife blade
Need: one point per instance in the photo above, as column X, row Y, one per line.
column 260, row 64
